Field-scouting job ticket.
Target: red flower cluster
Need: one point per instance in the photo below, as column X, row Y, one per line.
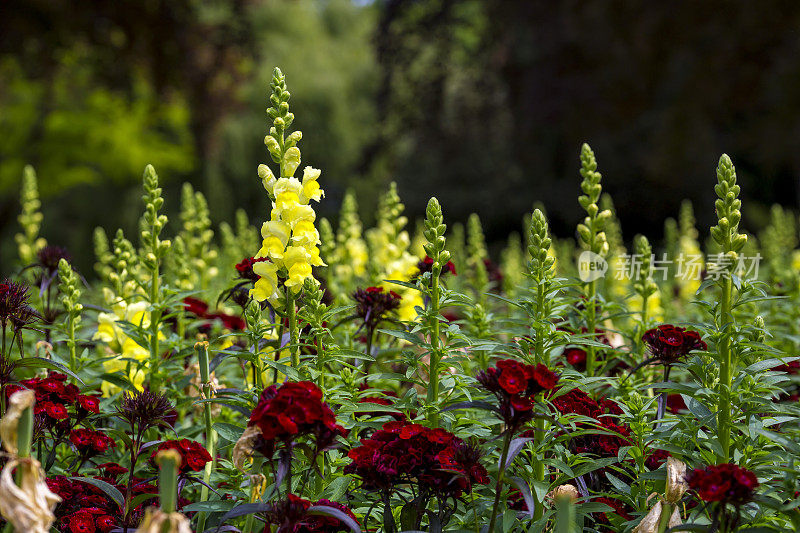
column 245, row 268
column 373, row 304
column 199, row 308
column 726, row 483
column 514, row 384
column 54, row 397
column 291, row 516
column 670, row 343
column 84, row 507
column 426, row 265
column 401, row 452
column 193, row 456
column 90, row 442
column 619, row 509
column 294, row 409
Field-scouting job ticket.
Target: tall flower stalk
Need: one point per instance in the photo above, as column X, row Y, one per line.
column 70, row 294
column 541, row 271
column 434, row 234
column 290, row 240
column 731, row 242
column 593, row 239
column 154, row 250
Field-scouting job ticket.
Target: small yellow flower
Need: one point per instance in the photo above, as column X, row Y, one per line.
column 311, row 190
column 298, row 213
column 297, row 262
column 291, row 160
column 267, row 177
column 304, row 233
column 266, row 288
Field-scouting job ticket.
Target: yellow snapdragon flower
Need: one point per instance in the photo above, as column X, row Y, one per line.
column 128, row 351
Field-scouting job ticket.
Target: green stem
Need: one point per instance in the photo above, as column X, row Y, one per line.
column 499, row 485
column 433, row 368
column 155, row 356
column 25, row 432
column 205, row 384
column 590, row 325
column 294, row 337
column 666, row 513
column 726, row 372
column 168, row 481
column 538, row 465
column 71, row 342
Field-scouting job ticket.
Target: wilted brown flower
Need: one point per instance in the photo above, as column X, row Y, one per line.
column 245, row 446
column 29, row 506
column 649, row 523
column 17, row 403
column 676, row 482
column 157, row 521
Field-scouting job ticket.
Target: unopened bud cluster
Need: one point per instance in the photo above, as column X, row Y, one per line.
column 591, row 230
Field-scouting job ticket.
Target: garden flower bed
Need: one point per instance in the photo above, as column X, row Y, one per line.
column 317, row 380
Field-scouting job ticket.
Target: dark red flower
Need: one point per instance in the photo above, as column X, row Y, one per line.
column 284, row 413
column 245, row 268
column 675, row 403
column 55, row 411
column 656, row 459
column 193, row 456
column 670, row 343
column 514, row 384
column 80, row 522
column 105, row 523
column 576, row 357
column 112, row 469
column 195, row 306
column 426, row 265
column 89, row 403
column 90, row 442
column 401, row 452
column 728, row 483
column 231, row 322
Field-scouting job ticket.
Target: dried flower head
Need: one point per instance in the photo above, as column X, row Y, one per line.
column 676, row 480
column 17, row 403
column 29, row 506
column 157, row 521
column 246, row 446
column 145, row 409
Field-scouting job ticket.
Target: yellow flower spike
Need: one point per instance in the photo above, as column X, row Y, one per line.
column 311, row 190
column 266, row 288
column 276, row 235
column 291, row 160
column 267, row 177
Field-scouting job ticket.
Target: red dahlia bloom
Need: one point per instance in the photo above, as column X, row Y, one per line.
column 728, row 483
column 670, row 343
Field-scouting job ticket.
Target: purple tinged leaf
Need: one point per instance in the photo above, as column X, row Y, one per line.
column 336, row 513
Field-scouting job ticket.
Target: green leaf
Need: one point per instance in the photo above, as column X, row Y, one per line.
column 216, row 506
column 110, row 490
column 229, row 432
column 41, row 362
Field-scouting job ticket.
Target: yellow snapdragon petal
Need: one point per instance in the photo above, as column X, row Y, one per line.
column 311, row 189
column 267, row 177
column 304, row 233
column 291, row 160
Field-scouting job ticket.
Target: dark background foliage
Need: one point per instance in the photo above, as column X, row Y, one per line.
column 482, row 103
